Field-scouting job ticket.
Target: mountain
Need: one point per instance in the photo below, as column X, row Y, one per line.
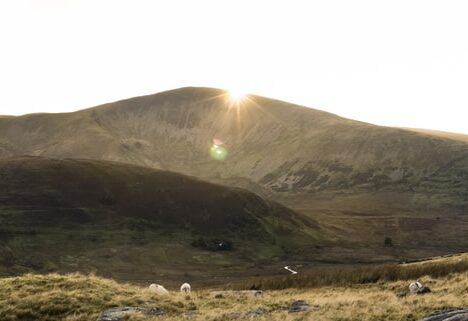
column 361, row 182
column 132, row 221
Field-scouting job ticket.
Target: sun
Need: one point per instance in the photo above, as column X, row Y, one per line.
column 236, row 95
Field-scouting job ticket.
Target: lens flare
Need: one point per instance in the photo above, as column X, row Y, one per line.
column 217, row 141
column 218, row 152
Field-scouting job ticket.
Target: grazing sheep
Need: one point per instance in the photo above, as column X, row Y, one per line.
column 415, row 286
column 159, row 289
column 418, row 288
column 185, row 288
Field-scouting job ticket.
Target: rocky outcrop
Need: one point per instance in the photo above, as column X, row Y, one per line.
column 222, row 294
column 448, row 315
column 298, row 306
column 258, row 312
column 117, row 314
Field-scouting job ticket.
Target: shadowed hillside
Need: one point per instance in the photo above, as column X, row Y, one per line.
column 134, row 222
column 361, row 182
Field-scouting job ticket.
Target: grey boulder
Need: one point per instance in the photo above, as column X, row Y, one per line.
column 298, row 306
column 117, row 314
column 448, row 315
column 255, row 313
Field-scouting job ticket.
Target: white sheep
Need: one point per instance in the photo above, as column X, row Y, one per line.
column 415, row 286
column 159, row 289
column 185, row 288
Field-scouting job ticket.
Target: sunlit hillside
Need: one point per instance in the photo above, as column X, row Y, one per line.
column 361, row 182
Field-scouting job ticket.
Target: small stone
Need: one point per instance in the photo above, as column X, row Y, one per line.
column 233, row 315
column 255, row 313
column 298, row 306
column 153, row 311
column 401, row 294
column 239, row 292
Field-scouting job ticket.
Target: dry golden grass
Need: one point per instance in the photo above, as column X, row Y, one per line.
column 76, row 297
column 72, row 297
column 343, row 276
column 354, row 303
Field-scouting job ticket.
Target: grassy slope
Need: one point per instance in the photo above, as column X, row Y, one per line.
column 349, row 275
column 362, row 182
column 78, row 298
column 128, row 222
column 284, row 147
column 449, row 135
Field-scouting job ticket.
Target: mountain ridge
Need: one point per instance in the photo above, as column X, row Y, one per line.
column 332, row 169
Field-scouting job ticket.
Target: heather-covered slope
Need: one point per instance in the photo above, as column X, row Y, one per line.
column 125, row 220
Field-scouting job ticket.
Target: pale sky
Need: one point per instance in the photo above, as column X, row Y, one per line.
column 393, row 62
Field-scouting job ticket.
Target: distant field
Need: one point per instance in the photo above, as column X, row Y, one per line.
column 76, row 297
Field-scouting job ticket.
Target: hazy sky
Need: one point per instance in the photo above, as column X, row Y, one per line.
column 388, row 62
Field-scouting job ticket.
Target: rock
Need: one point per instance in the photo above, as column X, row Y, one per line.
column 298, row 306
column 401, row 294
column 448, row 315
column 117, row 314
column 255, row 313
column 153, row 311
column 232, row 316
column 233, row 292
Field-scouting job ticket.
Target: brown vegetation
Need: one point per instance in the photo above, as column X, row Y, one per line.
column 122, row 220
column 77, row 297
column 345, row 276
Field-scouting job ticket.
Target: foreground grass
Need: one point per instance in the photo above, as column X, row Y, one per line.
column 72, row 297
column 76, row 297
